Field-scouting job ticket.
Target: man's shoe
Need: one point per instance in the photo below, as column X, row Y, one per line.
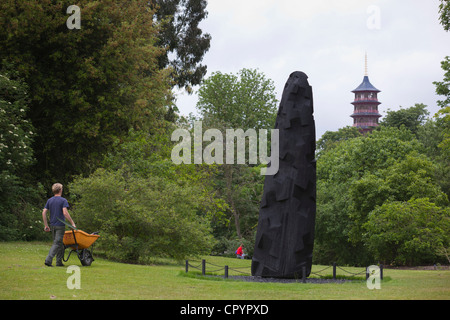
column 48, row 264
column 59, row 264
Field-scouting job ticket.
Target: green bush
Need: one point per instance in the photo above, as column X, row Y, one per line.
column 21, row 206
column 412, row 232
column 140, row 217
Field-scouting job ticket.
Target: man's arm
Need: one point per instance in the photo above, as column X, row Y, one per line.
column 44, row 217
column 67, row 216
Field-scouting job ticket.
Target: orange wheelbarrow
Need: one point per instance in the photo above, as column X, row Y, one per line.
column 80, row 242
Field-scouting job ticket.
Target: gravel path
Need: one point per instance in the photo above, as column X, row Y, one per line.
column 278, row 280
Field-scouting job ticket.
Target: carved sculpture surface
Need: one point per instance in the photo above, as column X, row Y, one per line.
column 285, row 234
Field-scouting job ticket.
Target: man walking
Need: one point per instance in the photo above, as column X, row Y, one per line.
column 57, row 205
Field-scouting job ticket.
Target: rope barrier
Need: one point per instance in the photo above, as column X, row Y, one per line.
column 215, row 270
column 234, row 269
column 214, row 265
column 195, row 267
column 202, row 266
column 355, row 274
column 317, row 272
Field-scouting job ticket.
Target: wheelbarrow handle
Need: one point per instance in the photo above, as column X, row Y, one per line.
column 70, row 226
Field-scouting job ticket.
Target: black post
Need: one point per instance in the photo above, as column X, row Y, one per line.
column 304, row 274
column 334, row 270
column 367, row 273
column 226, row 272
column 381, row 272
column 187, row 266
column 203, row 267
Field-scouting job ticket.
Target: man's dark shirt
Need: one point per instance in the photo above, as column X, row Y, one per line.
column 55, row 205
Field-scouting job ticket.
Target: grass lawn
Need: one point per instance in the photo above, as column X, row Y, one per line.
column 23, row 275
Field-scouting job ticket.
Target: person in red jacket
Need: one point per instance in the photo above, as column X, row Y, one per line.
column 240, row 252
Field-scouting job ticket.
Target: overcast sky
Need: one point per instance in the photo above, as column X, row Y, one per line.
column 327, row 39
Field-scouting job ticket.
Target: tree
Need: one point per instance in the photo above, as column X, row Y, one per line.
column 338, row 170
column 146, row 156
column 412, row 118
column 245, row 100
column 412, row 177
column 333, row 224
column 443, row 116
column 331, row 138
column 355, row 157
column 409, row 232
column 444, row 17
column 144, row 205
column 88, row 87
column 443, row 87
column 16, row 132
column 19, row 197
column 140, row 218
column 184, row 40
column 434, row 136
column 357, row 176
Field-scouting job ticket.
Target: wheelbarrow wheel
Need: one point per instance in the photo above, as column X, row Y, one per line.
column 86, row 258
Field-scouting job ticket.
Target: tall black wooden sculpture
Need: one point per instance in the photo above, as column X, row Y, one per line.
column 285, row 235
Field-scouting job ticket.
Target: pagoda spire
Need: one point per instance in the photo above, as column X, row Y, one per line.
column 366, row 73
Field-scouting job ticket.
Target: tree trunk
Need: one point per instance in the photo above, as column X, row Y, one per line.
column 229, row 180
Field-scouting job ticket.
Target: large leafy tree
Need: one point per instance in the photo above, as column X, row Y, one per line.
column 444, row 14
column 148, row 206
column 245, row 100
column 412, row 118
column 443, row 87
column 18, row 195
column 410, row 232
column 141, row 217
column 88, row 86
column 360, row 174
column 16, row 132
column 330, row 139
column 185, row 42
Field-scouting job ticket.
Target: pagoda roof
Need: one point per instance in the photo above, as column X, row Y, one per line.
column 366, row 86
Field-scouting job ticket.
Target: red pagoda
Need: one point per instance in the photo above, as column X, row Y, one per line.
column 365, row 114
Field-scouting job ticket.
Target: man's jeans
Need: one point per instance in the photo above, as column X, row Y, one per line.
column 57, row 248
